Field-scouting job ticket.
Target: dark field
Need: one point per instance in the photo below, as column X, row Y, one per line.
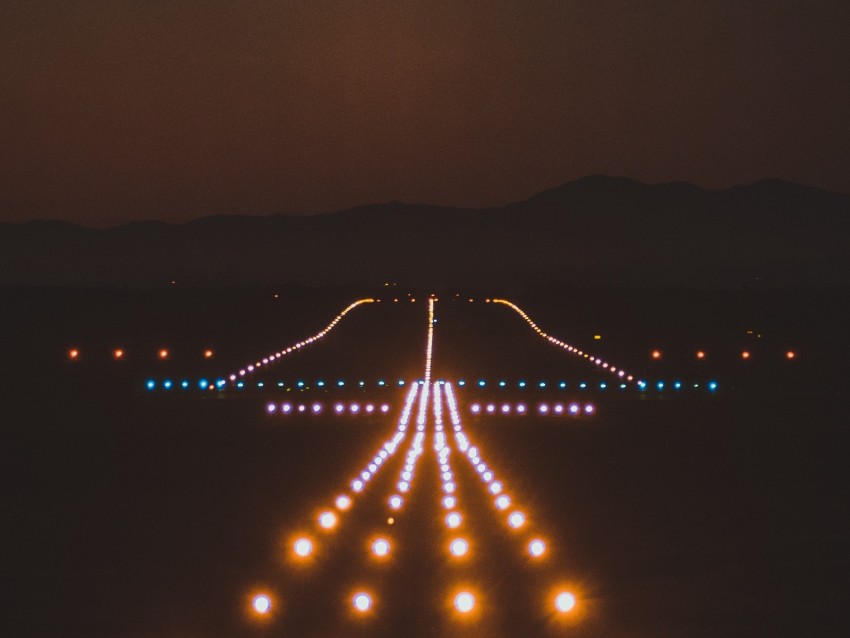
column 669, row 514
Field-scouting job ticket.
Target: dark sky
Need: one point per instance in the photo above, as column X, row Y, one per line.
column 174, row 109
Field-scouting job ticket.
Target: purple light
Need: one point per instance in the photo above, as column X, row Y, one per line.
column 317, row 408
column 286, row 408
column 589, row 409
column 270, row 408
column 338, row 408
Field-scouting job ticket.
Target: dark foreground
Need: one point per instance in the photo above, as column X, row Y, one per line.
column 128, row 513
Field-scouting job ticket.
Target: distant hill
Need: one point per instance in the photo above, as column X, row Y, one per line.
column 594, row 231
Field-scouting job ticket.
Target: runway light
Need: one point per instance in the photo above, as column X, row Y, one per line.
column 565, row 601
column 381, row 547
column 163, row 354
column 453, row 520
column 327, row 520
column 343, row 503
column 790, row 355
column 303, row 547
column 449, row 502
column 73, row 354
column 464, row 602
column 700, row 354
column 503, row 502
column 536, row 548
column 516, row 520
column 362, row 602
column 208, row 354
column 459, row 547
column 118, row 354
column 395, row 502
column 150, row 384
column 745, row 354
column 261, row 604
column 656, row 354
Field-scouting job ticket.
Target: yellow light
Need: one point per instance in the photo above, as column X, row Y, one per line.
column 459, row 547
column 362, row 602
column 464, row 602
column 381, row 547
column 261, row 604
column 536, row 548
column 303, row 547
column 327, row 520
column 597, row 337
column 343, row 503
column 565, row 602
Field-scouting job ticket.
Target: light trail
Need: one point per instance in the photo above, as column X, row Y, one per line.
column 619, row 372
column 272, row 358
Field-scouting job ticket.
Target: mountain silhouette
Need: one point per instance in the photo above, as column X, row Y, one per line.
column 594, row 231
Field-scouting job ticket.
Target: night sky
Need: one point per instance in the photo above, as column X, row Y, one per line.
column 128, row 109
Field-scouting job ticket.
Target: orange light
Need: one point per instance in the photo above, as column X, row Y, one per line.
column 118, row 353
column 790, row 355
column 700, row 354
column 656, row 354
column 745, row 354
column 163, row 354
column 565, row 602
column 208, row 354
column 73, row 354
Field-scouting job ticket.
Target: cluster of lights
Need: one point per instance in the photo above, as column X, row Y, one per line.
column 118, row 354
column 464, row 601
column 516, row 518
column 545, row 409
column 604, row 365
column 657, row 355
column 353, row 408
column 265, row 361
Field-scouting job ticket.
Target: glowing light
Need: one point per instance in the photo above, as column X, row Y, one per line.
column 395, row 502
column 118, row 354
column 495, row 487
column 381, row 547
column 343, row 503
column 790, row 355
column 516, row 520
column 745, row 354
column 536, row 548
column 208, row 354
column 362, row 602
column 449, row 502
column 656, row 354
column 464, row 602
column 163, row 354
column 700, row 354
column 261, row 604
column 303, row 547
column 565, row 601
column 73, row 354
column 459, row 547
column 327, row 520
column 453, row 520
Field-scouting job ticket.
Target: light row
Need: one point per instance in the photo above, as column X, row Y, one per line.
column 545, row 409
column 604, row 365
column 363, row 602
column 701, row 355
column 119, row 354
column 297, row 346
column 286, row 408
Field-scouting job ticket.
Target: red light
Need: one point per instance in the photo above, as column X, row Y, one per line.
column 656, row 354
column 73, row 354
column 208, row 354
column 163, row 354
column 700, row 354
column 118, row 354
column 745, row 354
column 790, row 355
